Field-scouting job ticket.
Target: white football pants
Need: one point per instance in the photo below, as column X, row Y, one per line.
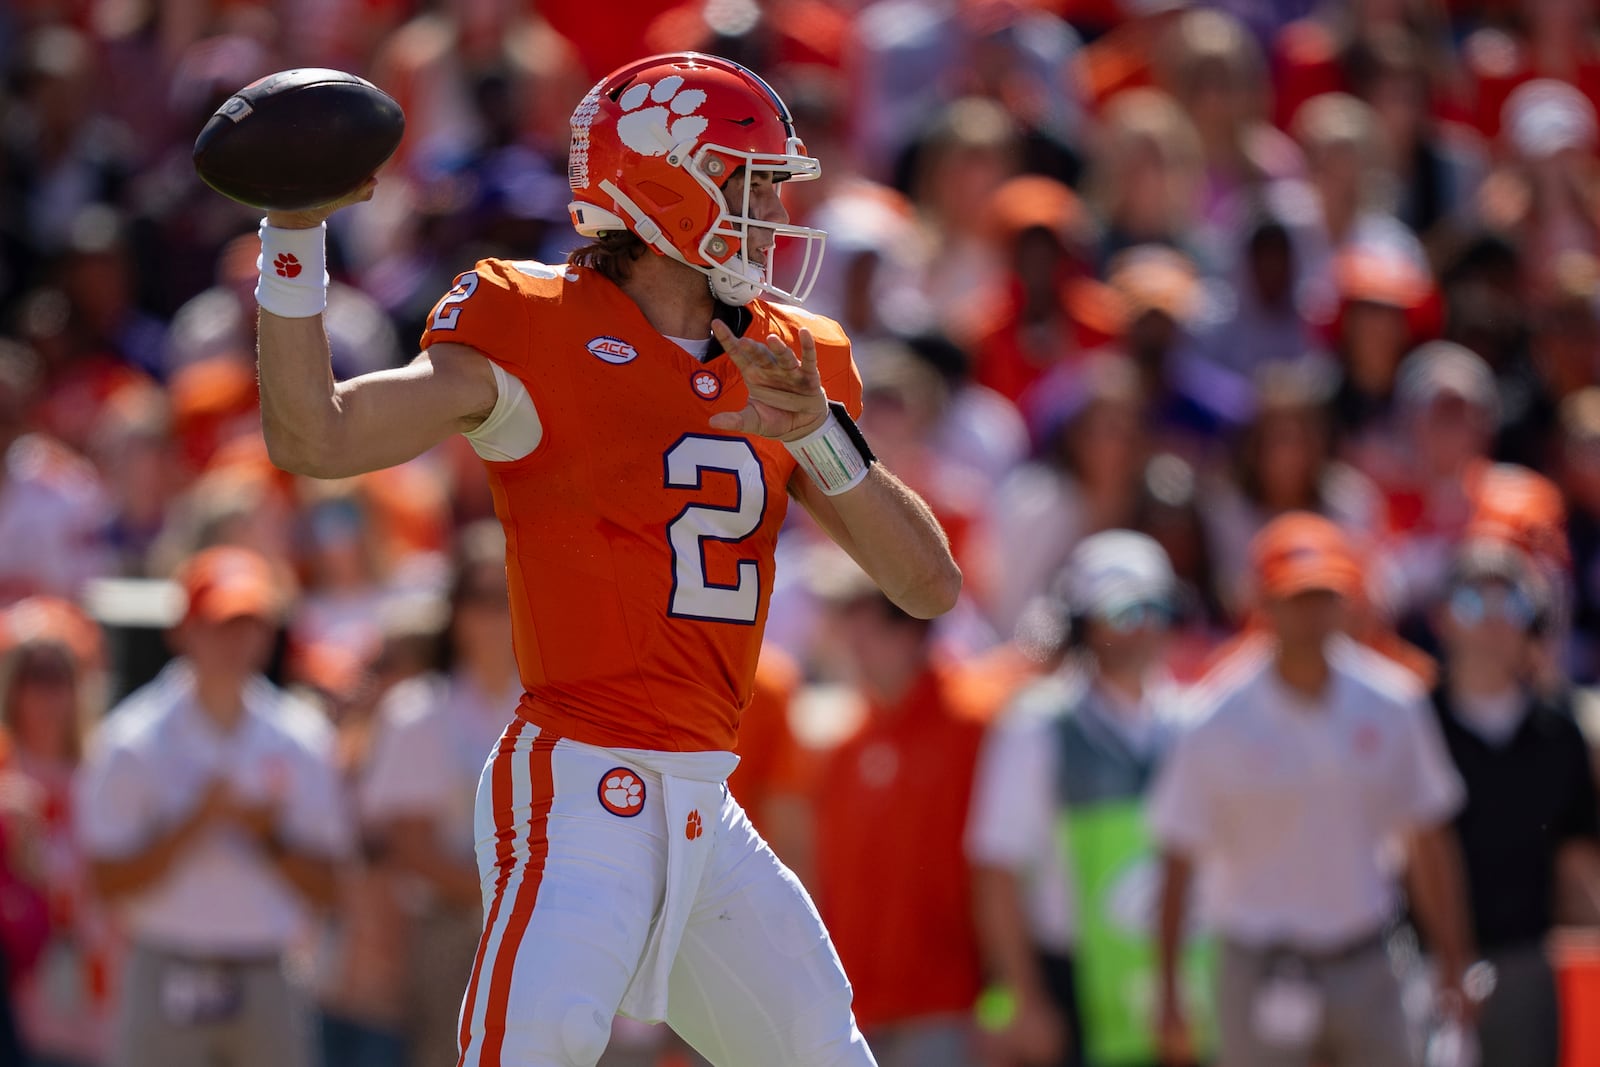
column 573, row 857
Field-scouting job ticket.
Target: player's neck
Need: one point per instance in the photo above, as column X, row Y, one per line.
column 675, row 299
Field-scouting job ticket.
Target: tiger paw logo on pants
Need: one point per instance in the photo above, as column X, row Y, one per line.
column 692, row 826
column 653, row 131
column 621, row 792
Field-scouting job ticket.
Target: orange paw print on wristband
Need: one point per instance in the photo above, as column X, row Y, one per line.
column 691, row 826
column 286, row 265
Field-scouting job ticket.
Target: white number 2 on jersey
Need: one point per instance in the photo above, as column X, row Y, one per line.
column 447, row 317
column 693, row 595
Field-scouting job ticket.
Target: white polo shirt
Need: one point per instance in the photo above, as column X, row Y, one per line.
column 434, row 737
column 1286, row 805
column 149, row 764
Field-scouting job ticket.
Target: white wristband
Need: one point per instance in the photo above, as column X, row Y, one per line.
column 294, row 271
column 830, row 457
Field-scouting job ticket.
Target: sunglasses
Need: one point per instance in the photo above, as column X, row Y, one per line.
column 1142, row 615
column 1471, row 605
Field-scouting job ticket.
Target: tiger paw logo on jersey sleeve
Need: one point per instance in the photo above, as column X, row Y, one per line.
column 656, row 130
column 621, row 792
column 692, row 826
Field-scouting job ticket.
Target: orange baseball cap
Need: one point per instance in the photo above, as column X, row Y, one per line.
column 1382, row 276
column 229, row 582
column 1301, row 552
column 48, row 619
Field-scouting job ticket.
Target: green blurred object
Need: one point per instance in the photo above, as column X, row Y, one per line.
column 995, row 1009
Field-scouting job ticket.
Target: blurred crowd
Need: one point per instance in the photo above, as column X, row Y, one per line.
column 1168, row 269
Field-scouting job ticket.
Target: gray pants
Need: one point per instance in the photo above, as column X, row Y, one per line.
column 1363, row 1024
column 176, row 1012
column 1520, row 1023
column 931, row 1042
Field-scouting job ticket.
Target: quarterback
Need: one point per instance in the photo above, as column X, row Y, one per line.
column 644, row 412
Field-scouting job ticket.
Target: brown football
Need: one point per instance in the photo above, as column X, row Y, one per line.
column 298, row 138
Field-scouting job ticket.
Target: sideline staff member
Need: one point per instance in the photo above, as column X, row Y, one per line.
column 1312, row 754
column 211, row 813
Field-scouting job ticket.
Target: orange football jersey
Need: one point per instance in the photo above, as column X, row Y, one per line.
column 639, row 540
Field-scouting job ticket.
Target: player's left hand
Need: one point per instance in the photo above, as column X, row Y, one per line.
column 786, row 397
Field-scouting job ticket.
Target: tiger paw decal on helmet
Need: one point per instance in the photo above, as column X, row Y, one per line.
column 656, row 130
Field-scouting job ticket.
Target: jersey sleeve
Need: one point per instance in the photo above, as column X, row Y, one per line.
column 485, row 310
column 840, row 378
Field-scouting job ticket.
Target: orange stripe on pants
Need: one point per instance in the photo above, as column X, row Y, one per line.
column 505, row 958
column 505, row 840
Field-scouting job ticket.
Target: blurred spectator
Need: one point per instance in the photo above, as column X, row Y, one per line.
column 1216, row 71
column 240, row 500
column 419, row 787
column 1147, row 179
column 138, row 462
column 905, row 402
column 365, row 962
column 1191, row 400
column 221, row 322
column 870, row 281
column 1049, row 311
column 1318, row 54
column 1580, row 479
column 909, row 946
column 1062, row 860
column 96, row 274
column 1085, row 479
column 1122, row 57
column 1378, row 292
column 61, row 154
column 1532, row 817
column 774, row 778
column 1563, row 357
column 1446, row 413
column 52, row 507
column 50, row 685
column 1345, row 205
column 764, row 36
column 1311, row 756
column 1169, row 512
column 1258, row 316
column 1283, row 462
column 1012, row 53
column 1435, row 167
column 341, row 605
column 210, row 809
column 1544, row 39
column 981, row 429
column 1545, row 194
column 967, row 153
column 1485, row 305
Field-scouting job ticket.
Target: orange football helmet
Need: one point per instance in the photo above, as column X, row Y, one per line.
column 654, row 146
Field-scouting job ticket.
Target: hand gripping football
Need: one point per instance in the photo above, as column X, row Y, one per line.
column 298, row 138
